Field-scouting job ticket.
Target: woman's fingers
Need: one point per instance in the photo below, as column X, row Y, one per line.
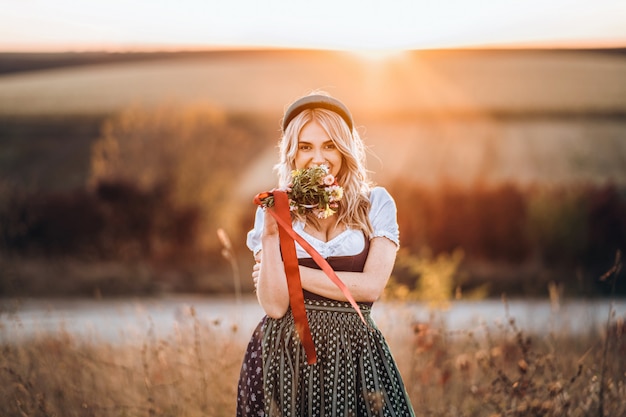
column 255, row 273
column 271, row 227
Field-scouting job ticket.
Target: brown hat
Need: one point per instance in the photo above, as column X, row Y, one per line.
column 317, row 101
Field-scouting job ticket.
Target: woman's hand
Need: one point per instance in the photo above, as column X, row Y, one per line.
column 366, row 286
column 255, row 273
column 268, row 272
column 270, row 227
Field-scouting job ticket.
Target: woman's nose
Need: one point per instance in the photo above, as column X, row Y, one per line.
column 318, row 157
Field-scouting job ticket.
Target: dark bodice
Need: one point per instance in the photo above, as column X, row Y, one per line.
column 354, row 263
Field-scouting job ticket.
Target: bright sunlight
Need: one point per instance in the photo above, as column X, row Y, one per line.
column 346, row 25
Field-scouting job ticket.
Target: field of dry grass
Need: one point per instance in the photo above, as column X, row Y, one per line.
column 410, row 83
column 498, row 370
column 430, row 117
column 461, row 116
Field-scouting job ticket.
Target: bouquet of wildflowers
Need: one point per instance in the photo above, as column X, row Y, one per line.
column 313, row 190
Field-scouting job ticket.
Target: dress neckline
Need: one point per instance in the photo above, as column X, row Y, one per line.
column 301, row 226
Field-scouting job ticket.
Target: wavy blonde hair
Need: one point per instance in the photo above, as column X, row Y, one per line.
column 353, row 176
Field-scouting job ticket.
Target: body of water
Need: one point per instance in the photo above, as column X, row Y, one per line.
column 129, row 320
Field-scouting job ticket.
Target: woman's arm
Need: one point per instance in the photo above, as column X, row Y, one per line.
column 366, row 286
column 269, row 274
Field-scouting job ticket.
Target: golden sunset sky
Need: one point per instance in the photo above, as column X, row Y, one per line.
column 62, row 25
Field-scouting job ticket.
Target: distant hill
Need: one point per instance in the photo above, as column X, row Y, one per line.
column 410, row 84
column 14, row 62
column 429, row 116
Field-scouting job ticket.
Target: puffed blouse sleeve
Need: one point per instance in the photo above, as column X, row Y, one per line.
column 383, row 215
column 253, row 240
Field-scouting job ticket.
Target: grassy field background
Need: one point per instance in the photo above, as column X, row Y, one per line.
column 501, row 115
column 409, row 83
column 436, row 122
column 483, row 148
column 496, row 369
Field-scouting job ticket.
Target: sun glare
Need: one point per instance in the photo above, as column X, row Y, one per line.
column 65, row 24
column 378, row 55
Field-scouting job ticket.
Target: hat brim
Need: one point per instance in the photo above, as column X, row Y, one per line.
column 317, row 101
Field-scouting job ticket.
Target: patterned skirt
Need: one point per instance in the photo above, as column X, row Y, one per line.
column 355, row 374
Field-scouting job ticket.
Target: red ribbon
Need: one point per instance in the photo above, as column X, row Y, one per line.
column 288, row 237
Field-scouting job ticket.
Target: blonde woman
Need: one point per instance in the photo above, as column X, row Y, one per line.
column 355, row 373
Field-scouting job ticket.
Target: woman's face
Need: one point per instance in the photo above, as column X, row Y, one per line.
column 315, row 148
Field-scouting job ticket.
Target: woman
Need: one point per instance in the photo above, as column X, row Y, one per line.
column 355, row 374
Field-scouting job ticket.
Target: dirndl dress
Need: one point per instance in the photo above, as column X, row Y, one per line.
column 355, row 374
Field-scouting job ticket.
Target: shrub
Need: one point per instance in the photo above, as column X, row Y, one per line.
column 194, row 152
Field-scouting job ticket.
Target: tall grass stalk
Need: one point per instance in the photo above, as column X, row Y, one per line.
column 497, row 369
column 612, row 275
column 228, row 253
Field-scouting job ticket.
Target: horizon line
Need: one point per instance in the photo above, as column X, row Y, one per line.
column 615, row 44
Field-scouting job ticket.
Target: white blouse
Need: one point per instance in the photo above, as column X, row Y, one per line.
column 383, row 216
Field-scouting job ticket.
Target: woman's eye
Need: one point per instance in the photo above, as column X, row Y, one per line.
column 330, row 146
column 304, row 147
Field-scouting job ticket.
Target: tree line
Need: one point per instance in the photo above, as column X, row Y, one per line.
column 162, row 183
